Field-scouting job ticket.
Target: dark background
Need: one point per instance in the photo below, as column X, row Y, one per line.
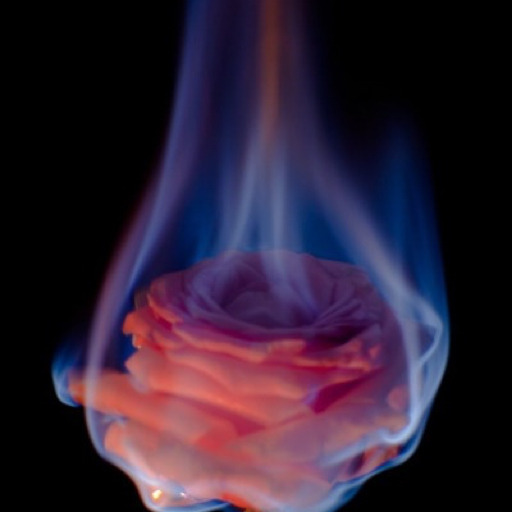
column 101, row 83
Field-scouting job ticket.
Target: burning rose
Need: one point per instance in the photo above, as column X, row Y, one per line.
column 258, row 379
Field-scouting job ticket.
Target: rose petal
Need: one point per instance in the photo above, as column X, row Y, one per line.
column 246, row 378
column 155, row 371
column 208, row 477
column 324, row 434
column 215, row 341
column 114, row 393
column 143, row 322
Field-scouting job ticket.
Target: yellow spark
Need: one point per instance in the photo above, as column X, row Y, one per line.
column 156, row 494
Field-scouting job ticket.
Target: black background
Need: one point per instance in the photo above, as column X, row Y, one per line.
column 100, row 83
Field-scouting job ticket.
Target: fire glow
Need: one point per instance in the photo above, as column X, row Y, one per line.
column 269, row 335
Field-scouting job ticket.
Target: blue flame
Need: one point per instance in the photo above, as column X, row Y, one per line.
column 242, row 171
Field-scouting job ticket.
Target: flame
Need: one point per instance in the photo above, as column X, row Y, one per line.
column 248, row 169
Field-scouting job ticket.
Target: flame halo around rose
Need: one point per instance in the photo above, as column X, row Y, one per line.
column 262, row 371
column 258, row 379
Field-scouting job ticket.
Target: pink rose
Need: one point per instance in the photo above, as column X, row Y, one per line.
column 262, row 379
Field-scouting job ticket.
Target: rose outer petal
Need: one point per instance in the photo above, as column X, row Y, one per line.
column 205, row 476
column 156, row 372
column 115, row 393
column 321, row 435
column 248, row 379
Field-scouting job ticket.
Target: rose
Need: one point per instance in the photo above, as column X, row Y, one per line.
column 252, row 371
